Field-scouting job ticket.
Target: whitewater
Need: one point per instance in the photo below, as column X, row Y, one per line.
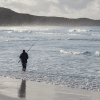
column 60, row 56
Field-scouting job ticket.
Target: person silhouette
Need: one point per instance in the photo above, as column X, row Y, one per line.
column 24, row 57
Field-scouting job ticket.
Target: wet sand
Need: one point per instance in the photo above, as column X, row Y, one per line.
column 17, row 89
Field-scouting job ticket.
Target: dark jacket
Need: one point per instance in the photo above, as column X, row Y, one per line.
column 24, row 57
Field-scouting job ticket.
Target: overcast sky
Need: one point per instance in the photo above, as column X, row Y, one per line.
column 60, row 8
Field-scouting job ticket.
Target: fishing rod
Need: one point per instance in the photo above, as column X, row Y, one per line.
column 28, row 50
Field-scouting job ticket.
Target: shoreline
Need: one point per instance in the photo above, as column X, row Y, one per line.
column 17, row 89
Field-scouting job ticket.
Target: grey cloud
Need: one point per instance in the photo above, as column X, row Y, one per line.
column 41, row 6
column 75, row 4
column 21, row 7
column 75, row 8
column 44, row 5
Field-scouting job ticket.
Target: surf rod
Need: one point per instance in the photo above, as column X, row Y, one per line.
column 28, row 50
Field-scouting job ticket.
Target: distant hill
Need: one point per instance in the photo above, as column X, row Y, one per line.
column 11, row 18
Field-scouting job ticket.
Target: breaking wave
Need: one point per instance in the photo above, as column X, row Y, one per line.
column 79, row 30
column 75, row 53
column 97, row 53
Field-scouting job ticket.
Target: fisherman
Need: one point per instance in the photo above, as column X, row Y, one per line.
column 24, row 57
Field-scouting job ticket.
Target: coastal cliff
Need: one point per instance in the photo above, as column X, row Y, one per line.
column 12, row 18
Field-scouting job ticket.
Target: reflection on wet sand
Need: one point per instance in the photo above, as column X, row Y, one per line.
column 22, row 89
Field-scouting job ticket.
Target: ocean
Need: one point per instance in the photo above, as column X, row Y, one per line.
column 60, row 56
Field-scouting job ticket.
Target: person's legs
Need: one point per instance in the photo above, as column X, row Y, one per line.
column 24, row 66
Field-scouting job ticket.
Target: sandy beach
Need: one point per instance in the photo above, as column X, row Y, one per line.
column 17, row 89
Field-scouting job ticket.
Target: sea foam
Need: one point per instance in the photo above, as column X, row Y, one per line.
column 74, row 53
column 78, row 30
column 97, row 53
